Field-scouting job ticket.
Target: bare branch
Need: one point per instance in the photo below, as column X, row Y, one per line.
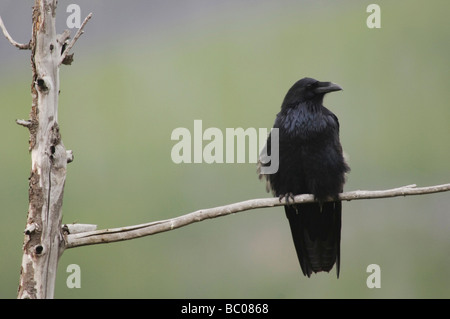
column 79, row 228
column 11, row 40
column 25, row 123
column 136, row 231
column 69, row 154
column 62, row 38
column 75, row 38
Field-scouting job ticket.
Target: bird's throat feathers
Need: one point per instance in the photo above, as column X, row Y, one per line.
column 304, row 120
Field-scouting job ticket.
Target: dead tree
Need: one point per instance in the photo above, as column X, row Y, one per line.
column 44, row 240
column 45, row 236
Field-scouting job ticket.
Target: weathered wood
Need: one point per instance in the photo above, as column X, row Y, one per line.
column 43, row 242
column 130, row 232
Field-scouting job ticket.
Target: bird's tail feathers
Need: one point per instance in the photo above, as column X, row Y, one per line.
column 316, row 231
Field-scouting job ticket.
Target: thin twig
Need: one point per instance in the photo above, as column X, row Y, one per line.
column 75, row 38
column 21, row 46
column 136, row 231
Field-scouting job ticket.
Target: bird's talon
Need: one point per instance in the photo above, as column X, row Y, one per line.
column 286, row 197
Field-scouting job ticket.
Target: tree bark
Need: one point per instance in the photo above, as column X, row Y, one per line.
column 43, row 242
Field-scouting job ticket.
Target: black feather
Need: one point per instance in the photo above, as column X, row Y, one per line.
column 310, row 162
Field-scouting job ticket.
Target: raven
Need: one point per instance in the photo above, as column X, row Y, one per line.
column 310, row 162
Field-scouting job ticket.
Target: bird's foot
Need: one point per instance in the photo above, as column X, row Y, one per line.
column 287, row 197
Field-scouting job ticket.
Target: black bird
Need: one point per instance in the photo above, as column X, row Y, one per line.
column 310, row 162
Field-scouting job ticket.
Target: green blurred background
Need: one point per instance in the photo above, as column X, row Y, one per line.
column 144, row 68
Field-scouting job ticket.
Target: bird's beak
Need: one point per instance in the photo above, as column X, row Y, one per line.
column 326, row 87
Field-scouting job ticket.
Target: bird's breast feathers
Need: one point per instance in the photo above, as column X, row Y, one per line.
column 300, row 123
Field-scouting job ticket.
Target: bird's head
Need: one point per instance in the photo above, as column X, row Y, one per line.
column 308, row 89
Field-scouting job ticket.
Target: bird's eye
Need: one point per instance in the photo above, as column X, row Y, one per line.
column 311, row 85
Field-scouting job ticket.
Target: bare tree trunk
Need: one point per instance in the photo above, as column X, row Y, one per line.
column 43, row 243
column 44, row 239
